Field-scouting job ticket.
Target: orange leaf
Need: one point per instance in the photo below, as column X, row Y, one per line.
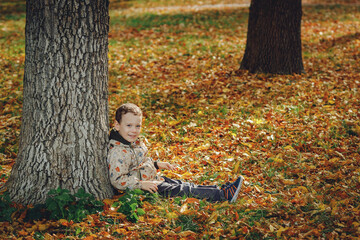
column 89, row 238
column 236, row 216
column 121, row 231
column 43, row 227
column 186, row 233
column 105, row 234
column 23, row 232
column 192, row 200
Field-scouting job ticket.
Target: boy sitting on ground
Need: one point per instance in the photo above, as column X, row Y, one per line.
column 130, row 167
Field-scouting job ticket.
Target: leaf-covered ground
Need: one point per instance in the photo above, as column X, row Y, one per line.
column 296, row 139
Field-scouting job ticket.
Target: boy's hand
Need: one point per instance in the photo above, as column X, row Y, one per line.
column 166, row 165
column 150, row 186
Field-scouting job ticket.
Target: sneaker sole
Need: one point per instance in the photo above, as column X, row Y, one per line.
column 237, row 190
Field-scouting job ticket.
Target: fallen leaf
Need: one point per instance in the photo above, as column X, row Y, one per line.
column 213, row 217
column 280, row 231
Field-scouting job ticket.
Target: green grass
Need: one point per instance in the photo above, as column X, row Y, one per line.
column 12, row 8
column 187, row 223
column 205, row 19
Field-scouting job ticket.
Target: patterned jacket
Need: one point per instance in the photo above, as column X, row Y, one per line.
column 129, row 163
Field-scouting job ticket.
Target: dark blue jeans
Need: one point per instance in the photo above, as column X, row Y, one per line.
column 173, row 188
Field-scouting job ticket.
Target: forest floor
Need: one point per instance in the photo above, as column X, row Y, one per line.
column 295, row 138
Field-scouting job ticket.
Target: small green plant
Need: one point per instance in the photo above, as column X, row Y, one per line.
column 63, row 205
column 131, row 203
column 187, row 223
column 58, row 201
column 208, row 176
column 6, row 208
column 255, row 216
column 179, row 200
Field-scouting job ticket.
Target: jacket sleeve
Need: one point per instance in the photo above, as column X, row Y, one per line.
column 121, row 176
column 147, row 166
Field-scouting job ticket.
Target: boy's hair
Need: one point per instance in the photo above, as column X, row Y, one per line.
column 126, row 108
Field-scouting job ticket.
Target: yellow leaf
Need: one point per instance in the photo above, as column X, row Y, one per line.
column 174, row 122
column 63, row 221
column 225, row 90
column 334, row 207
column 259, row 121
column 90, row 218
column 43, row 227
column 300, row 188
column 289, row 147
column 323, row 207
column 184, row 208
column 246, row 144
column 280, row 231
column 163, row 136
column 278, row 160
column 132, row 228
column 223, row 204
column 357, row 130
column 187, row 175
column 269, row 198
column 212, row 219
column 287, row 181
column 219, row 100
column 33, row 228
column 155, row 220
column 186, row 139
column 334, row 160
column 331, row 102
column 259, row 189
column 171, row 215
column 258, row 224
column 236, row 167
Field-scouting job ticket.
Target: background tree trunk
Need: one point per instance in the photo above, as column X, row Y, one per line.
column 274, row 37
column 64, row 132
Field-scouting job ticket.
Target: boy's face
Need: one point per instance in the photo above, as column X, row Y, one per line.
column 129, row 127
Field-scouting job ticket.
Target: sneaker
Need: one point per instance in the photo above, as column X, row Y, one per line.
column 232, row 190
column 225, row 185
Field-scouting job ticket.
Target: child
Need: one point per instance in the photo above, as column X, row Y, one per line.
column 130, row 167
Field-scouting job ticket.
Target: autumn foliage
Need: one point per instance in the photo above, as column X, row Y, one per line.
column 295, row 138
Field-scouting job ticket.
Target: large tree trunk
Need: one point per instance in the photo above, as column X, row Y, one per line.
column 274, row 37
column 63, row 139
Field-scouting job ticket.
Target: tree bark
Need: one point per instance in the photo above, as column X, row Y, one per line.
column 64, row 131
column 274, row 37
